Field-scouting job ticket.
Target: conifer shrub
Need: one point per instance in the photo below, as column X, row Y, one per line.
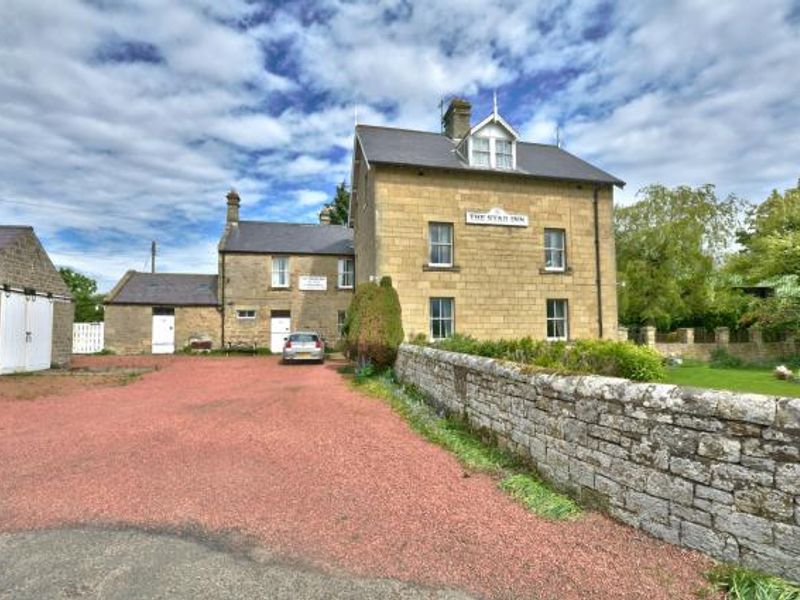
column 374, row 324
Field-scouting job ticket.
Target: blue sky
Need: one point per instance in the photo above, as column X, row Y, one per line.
column 127, row 121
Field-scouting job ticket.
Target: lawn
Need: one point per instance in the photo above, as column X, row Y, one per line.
column 748, row 379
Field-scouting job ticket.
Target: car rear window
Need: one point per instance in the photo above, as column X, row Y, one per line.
column 303, row 338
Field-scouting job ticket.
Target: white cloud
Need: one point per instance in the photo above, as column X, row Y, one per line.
column 104, row 155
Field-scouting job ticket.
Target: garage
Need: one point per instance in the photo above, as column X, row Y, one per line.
column 36, row 310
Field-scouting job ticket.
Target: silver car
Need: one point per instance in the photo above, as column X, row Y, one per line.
column 303, row 345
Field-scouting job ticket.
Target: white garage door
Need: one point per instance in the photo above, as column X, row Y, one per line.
column 26, row 332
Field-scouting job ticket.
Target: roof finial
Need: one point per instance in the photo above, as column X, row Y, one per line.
column 494, row 104
column 355, row 112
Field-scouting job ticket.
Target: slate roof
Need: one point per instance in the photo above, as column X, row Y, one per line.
column 9, row 233
column 288, row 238
column 387, row 145
column 174, row 289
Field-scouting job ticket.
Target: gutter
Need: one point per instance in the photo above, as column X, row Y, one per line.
column 597, row 263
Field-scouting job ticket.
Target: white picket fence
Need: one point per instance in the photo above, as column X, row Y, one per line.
column 87, row 338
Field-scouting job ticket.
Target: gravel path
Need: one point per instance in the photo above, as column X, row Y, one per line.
column 291, row 457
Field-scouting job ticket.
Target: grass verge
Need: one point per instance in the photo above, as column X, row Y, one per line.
column 474, row 454
column 743, row 584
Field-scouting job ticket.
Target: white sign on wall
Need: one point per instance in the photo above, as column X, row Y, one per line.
column 317, row 283
column 497, row 216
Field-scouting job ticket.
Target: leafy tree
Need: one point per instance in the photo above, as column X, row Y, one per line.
column 770, row 256
column 374, row 324
column 669, row 244
column 88, row 303
column 338, row 207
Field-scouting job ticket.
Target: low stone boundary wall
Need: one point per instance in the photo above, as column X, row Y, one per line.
column 710, row 470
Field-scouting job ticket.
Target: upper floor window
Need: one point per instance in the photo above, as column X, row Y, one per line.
column 554, row 249
column 481, row 155
column 346, row 273
column 440, row 236
column 504, row 156
column 280, row 271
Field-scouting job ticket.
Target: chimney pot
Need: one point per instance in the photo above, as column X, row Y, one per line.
column 457, row 119
column 233, row 206
column 325, row 216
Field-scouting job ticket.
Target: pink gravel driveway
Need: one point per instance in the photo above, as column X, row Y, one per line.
column 313, row 471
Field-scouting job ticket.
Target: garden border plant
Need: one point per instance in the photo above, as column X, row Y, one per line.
column 454, row 435
column 599, row 357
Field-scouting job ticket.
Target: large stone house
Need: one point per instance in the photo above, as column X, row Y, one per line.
column 36, row 308
column 483, row 233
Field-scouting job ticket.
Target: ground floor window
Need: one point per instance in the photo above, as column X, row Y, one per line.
column 246, row 315
column 557, row 320
column 341, row 317
column 441, row 318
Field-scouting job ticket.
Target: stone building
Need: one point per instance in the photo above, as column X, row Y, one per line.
column 273, row 278
column 485, row 234
column 36, row 308
column 277, row 277
column 162, row 312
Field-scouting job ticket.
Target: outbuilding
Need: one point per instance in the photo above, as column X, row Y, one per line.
column 36, row 309
column 160, row 313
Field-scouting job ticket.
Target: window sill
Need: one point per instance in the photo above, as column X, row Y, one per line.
column 344, row 287
column 450, row 268
column 545, row 271
column 276, row 288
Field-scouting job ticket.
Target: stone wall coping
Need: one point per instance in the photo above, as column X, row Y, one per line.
column 780, row 412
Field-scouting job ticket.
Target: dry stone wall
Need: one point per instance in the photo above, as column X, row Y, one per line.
column 710, row 470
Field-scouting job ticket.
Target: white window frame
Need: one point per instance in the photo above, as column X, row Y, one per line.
column 240, row 314
column 440, row 319
column 474, row 151
column 431, row 243
column 555, row 249
column 510, row 153
column 555, row 319
column 343, row 272
column 278, row 261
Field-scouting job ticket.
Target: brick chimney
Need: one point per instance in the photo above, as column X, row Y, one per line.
column 233, row 207
column 325, row 216
column 456, row 120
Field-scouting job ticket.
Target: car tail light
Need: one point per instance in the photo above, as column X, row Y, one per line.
column 319, row 344
column 288, row 344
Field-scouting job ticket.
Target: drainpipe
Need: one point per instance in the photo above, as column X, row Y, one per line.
column 222, row 283
column 597, row 264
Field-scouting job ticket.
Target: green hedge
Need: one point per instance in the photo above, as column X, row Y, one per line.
column 602, row 357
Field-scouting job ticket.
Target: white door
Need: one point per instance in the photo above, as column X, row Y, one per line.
column 13, row 332
column 163, row 332
column 39, row 332
column 280, row 328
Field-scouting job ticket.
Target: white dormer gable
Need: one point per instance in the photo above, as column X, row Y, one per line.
column 491, row 144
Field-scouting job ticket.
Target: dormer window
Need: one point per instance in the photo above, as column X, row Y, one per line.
column 492, row 152
column 481, row 155
column 504, row 156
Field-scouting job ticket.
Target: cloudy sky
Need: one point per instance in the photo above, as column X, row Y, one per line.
column 123, row 121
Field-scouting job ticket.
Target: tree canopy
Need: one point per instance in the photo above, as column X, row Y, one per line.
column 669, row 244
column 770, row 256
column 88, row 303
column 338, row 208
